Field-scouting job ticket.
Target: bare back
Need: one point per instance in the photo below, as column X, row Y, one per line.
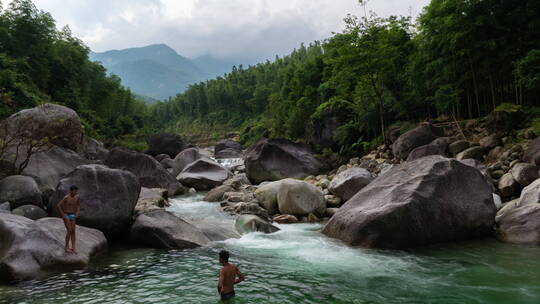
column 228, row 277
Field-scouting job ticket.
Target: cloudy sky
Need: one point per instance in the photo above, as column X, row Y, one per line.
column 248, row 29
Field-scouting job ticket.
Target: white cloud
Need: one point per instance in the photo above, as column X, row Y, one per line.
column 251, row 29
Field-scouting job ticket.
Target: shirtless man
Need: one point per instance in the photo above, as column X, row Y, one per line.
column 69, row 208
column 227, row 277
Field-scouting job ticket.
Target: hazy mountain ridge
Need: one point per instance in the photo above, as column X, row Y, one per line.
column 158, row 71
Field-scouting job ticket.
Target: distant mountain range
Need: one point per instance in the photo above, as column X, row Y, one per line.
column 157, row 71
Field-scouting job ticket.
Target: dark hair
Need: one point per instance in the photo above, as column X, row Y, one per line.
column 73, row 188
column 224, row 255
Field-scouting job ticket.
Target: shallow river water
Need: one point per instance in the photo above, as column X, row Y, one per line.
column 296, row 265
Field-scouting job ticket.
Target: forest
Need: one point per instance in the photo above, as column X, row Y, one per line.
column 40, row 64
column 461, row 59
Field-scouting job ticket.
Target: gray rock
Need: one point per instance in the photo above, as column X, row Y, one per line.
column 35, row 249
column 480, row 167
column 30, row 211
column 216, row 194
column 532, row 154
column 5, row 207
column 476, row 152
column 498, row 201
column 93, row 149
column 50, row 166
column 7, row 168
column 419, row 136
column 524, row 173
column 238, row 181
column 458, row 146
column 331, row 212
column 332, row 201
column 347, row 183
column 430, row 200
column 151, row 199
column 162, row 229
column 531, row 194
column 276, row 159
column 251, row 223
column 247, row 208
column 184, row 158
column 204, row 174
column 228, row 148
column 267, row 196
column 299, row 198
column 20, row 190
column 285, row 219
column 161, row 157
column 108, row 197
column 508, row 185
column 166, row 143
column 151, row 174
column 427, row 150
column 521, row 225
column 490, row 141
column 60, row 125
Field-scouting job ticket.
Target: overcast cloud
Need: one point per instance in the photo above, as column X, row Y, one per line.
column 247, row 29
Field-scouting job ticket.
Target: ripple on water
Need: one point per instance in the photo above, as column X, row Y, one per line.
column 296, row 265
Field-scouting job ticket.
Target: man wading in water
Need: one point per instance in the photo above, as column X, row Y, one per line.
column 69, row 208
column 227, row 277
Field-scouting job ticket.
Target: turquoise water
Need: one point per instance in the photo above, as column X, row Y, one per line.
column 296, row 265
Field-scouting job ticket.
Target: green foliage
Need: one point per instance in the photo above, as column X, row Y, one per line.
column 508, row 107
column 40, row 64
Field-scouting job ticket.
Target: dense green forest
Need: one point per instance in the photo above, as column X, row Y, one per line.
column 461, row 59
column 40, row 64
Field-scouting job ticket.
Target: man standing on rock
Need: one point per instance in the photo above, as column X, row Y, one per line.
column 69, row 208
column 227, row 277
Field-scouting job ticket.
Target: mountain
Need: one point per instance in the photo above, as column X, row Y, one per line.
column 158, row 71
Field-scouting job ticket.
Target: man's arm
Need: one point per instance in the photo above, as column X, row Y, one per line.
column 59, row 207
column 220, row 282
column 240, row 276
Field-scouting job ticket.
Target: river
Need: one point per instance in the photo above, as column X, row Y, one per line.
column 295, row 265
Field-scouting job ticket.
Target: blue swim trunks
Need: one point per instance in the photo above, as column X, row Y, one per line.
column 70, row 216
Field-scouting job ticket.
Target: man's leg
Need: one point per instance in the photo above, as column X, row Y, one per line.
column 73, row 229
column 68, row 233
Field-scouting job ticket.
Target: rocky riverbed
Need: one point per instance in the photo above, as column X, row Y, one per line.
column 433, row 184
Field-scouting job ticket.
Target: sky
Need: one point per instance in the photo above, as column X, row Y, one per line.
column 248, row 29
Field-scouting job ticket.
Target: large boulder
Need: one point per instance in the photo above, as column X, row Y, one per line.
column 108, row 197
column 35, row 249
column 162, row 229
column 48, row 167
column 30, row 211
column 184, row 158
column 151, row 199
column 427, row 150
column 275, row 159
column 508, row 185
column 532, row 154
column 419, row 136
column 93, row 149
column 524, row 173
column 204, row 174
column 20, row 190
column 458, row 146
column 476, row 152
column 430, row 200
column 150, row 172
column 251, row 223
column 520, row 226
column 228, row 148
column 56, row 124
column 491, row 141
column 266, row 195
column 300, row 198
column 166, row 143
column 216, row 194
column 347, row 183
